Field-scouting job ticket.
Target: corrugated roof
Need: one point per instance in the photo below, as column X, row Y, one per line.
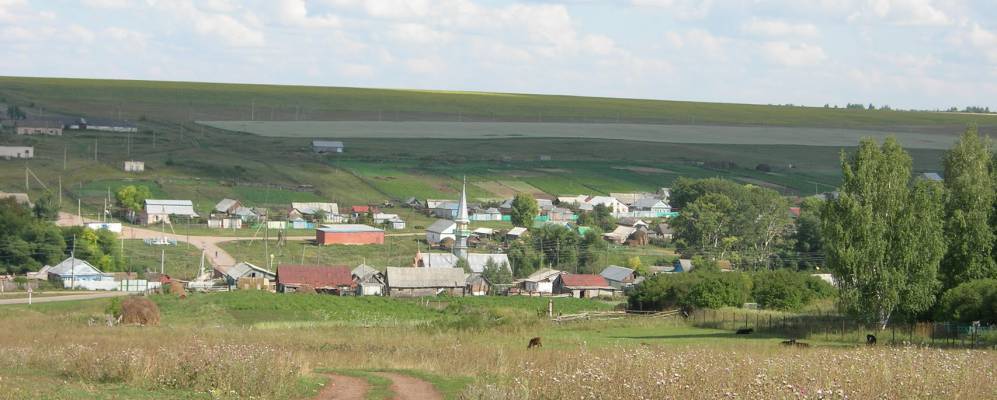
column 363, row 270
column 425, row 277
column 348, row 228
column 616, row 273
column 312, row 208
column 241, row 269
column 648, row 203
column 327, row 143
column 172, row 207
column 441, row 226
column 74, row 266
column 475, row 261
column 584, row 280
column 517, row 231
column 543, row 274
column 225, row 205
column 318, row 276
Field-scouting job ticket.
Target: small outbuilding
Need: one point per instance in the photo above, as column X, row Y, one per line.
column 11, row 152
column 327, row 146
column 416, row 282
column 244, row 270
column 368, row 280
column 618, row 277
column 441, row 229
column 134, row 166
column 541, row 282
column 354, row 234
column 583, row 286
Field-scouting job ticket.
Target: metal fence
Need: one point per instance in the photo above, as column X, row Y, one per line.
column 839, row 328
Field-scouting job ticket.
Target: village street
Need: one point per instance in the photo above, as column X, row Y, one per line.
column 216, row 256
column 71, row 297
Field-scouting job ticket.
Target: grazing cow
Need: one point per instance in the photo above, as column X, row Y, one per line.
column 535, row 342
column 794, row 343
column 870, row 339
column 745, row 331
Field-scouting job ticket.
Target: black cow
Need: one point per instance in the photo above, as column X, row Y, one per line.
column 745, row 331
column 870, row 339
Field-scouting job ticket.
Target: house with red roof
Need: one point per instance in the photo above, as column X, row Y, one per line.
column 583, row 286
column 322, row 278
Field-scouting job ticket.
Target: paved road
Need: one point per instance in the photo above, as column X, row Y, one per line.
column 68, row 297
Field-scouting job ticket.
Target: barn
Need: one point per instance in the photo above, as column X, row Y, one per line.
column 417, row 282
column 348, row 234
column 583, row 286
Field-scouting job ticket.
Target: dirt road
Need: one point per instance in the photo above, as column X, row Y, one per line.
column 409, row 388
column 341, row 387
column 405, row 387
column 68, row 297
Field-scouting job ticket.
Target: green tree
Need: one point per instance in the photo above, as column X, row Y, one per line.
column 46, row 207
column 969, row 205
column 707, row 224
column 497, row 273
column 462, row 264
column 975, row 300
column 591, row 247
column 132, row 198
column 808, row 238
column 524, row 258
column 787, row 290
column 524, row 210
column 882, row 236
column 26, row 242
column 558, row 245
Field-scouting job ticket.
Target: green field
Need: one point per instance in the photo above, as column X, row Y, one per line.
column 181, row 261
column 702, row 134
column 185, row 160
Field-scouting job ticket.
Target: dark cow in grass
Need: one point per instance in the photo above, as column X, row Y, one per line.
column 535, row 342
column 794, row 343
column 870, row 339
column 745, row 331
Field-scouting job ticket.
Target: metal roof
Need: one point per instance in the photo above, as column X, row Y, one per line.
column 319, row 276
column 348, row 228
column 475, row 261
column 173, row 207
column 544, row 274
column 327, row 143
column 313, row 207
column 225, row 205
column 425, row 277
column 584, row 281
column 241, row 269
column 517, row 231
column 616, row 273
column 441, row 226
column 74, row 266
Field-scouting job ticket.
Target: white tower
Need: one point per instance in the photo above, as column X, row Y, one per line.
column 460, row 245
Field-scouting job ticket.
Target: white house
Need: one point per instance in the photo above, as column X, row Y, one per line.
column 10, row 152
column 441, row 229
column 589, row 202
column 475, row 261
column 134, row 166
column 541, row 282
column 72, row 272
column 300, row 210
column 157, row 211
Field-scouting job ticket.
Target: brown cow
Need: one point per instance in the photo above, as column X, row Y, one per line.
column 535, row 342
column 794, row 343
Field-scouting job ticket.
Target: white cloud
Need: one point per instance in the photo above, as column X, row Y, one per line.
column 419, row 34
column 240, row 32
column 295, row 12
column 424, row 65
column 794, row 55
column 699, row 40
column 680, row 9
column 900, row 12
column 107, row 3
column 773, row 27
column 984, row 41
column 126, row 38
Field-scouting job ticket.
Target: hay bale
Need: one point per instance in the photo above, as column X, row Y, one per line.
column 178, row 289
column 139, row 310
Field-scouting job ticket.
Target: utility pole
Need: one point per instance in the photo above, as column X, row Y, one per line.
column 72, row 272
column 252, row 110
column 95, row 149
column 60, row 191
column 65, row 156
column 162, row 262
column 26, row 183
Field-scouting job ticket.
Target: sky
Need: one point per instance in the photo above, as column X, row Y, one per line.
column 918, row 54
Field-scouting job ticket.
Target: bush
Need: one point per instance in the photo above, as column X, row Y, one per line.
column 787, row 290
column 975, row 300
column 114, row 307
column 691, row 290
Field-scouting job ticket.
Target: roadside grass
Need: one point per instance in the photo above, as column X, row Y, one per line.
column 181, row 261
column 35, row 383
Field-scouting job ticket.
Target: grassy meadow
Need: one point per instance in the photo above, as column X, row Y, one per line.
column 253, row 344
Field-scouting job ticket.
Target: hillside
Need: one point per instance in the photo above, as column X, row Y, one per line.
column 203, row 162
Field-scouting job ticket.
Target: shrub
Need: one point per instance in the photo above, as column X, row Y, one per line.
column 787, row 290
column 696, row 290
column 975, row 300
column 114, row 307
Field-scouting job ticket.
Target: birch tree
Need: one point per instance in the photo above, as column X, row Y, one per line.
column 883, row 235
column 969, row 204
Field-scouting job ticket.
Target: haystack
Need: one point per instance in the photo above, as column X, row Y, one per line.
column 139, row 310
column 178, row 289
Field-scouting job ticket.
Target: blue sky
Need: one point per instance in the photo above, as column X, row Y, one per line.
column 905, row 53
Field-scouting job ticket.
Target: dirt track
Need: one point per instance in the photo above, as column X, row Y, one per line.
column 341, row 387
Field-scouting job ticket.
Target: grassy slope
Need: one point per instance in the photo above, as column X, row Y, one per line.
column 205, row 164
column 195, row 101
